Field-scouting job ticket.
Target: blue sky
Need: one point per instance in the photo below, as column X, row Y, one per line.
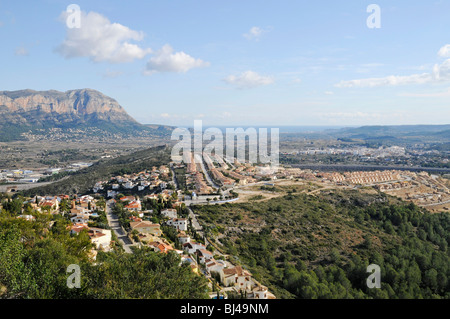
column 238, row 62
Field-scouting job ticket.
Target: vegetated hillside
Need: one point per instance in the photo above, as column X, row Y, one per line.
column 305, row 246
column 83, row 180
column 35, row 256
column 87, row 110
column 398, row 133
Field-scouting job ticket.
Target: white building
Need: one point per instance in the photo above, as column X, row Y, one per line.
column 178, row 223
column 192, row 247
column 112, row 193
column 238, row 277
column 101, row 238
column 213, row 265
column 183, row 238
column 128, row 185
column 80, row 219
column 169, row 213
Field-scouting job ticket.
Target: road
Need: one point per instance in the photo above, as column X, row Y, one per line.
column 195, row 223
column 198, row 159
column 121, row 234
column 356, row 167
column 26, row 186
column 434, row 204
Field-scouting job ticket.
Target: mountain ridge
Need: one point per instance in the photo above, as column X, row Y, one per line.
column 29, row 110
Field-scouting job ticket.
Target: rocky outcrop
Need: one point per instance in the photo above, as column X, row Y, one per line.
column 30, row 107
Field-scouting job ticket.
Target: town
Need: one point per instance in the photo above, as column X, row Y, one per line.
column 152, row 208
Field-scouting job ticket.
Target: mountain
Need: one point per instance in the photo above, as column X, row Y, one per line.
column 86, row 109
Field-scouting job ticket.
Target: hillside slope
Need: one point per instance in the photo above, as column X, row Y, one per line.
column 319, row 246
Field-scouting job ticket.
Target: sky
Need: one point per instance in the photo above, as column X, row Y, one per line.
column 260, row 63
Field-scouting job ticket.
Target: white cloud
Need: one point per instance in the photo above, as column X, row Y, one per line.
column 445, row 51
column 167, row 61
column 21, row 51
column 328, row 93
column 439, row 73
column 435, row 94
column 389, row 80
column 101, row 40
column 255, row 33
column 248, row 79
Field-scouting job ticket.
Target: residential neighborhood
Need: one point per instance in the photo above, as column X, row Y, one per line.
column 152, row 210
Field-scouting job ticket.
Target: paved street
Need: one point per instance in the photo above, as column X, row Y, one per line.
column 113, row 222
column 198, row 159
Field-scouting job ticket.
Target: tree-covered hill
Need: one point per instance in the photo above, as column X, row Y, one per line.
column 305, row 246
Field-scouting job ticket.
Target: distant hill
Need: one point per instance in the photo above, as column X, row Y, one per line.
column 86, row 109
column 83, row 180
column 397, row 133
column 395, row 130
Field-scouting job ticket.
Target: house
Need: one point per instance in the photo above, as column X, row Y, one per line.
column 192, row 247
column 128, row 185
column 135, row 219
column 183, row 238
column 111, row 193
column 169, row 213
column 260, row 292
column 204, row 255
column 178, row 223
column 127, row 198
column 134, row 205
column 213, row 265
column 152, row 196
column 50, row 204
column 27, row 217
column 164, row 169
column 238, row 277
column 146, row 227
column 78, row 210
column 98, row 186
column 161, row 247
column 77, row 228
column 101, row 238
column 80, row 219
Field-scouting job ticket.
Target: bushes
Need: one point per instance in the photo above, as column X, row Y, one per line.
column 320, row 247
